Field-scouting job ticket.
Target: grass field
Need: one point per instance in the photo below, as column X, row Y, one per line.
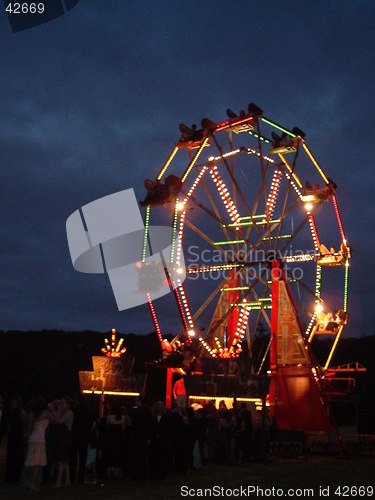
column 303, row 476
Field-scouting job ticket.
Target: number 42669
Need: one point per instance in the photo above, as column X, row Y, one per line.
column 25, row 8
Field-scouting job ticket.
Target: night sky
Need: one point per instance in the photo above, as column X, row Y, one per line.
column 91, row 102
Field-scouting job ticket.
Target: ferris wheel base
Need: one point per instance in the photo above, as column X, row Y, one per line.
column 295, row 401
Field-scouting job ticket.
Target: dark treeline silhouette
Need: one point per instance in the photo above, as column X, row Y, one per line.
column 47, row 362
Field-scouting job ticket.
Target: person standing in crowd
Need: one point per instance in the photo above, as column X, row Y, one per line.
column 81, row 431
column 92, row 452
column 2, row 417
column 16, row 446
column 179, row 393
column 212, row 438
column 36, row 457
column 63, row 442
column 115, row 422
column 140, row 438
column 246, row 440
column 158, row 451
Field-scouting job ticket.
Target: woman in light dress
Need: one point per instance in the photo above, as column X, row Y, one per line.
column 36, row 453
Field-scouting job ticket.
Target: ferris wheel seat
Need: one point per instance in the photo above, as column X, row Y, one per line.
column 316, row 194
column 329, row 325
column 244, row 127
column 336, row 259
column 159, row 193
column 330, row 329
column 191, row 138
column 331, row 257
column 283, row 149
column 191, row 143
column 283, row 144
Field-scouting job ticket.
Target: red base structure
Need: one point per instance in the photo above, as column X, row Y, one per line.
column 295, row 401
column 296, row 393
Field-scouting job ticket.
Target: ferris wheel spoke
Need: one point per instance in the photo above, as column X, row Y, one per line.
column 291, row 171
column 239, row 302
column 308, row 289
column 263, row 183
column 216, row 211
column 202, row 308
column 219, row 219
column 294, row 234
column 286, row 200
column 272, row 196
column 232, row 166
column 239, row 191
column 225, row 316
column 255, row 207
column 238, row 266
column 268, row 233
column 255, row 329
column 261, row 300
column 203, row 235
column 256, row 203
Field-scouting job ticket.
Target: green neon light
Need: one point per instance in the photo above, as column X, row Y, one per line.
column 206, row 269
column 250, row 305
column 259, row 223
column 231, row 242
column 247, row 217
column 234, row 288
column 145, row 235
column 258, row 308
column 346, row 286
column 267, row 141
column 175, row 219
column 283, row 236
column 278, row 127
column 318, row 281
column 269, row 282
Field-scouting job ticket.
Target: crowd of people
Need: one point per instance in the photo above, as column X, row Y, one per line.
column 65, row 441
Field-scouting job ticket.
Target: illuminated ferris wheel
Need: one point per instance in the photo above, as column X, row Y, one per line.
column 242, row 195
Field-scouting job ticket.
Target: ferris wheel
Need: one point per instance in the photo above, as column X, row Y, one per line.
column 240, row 195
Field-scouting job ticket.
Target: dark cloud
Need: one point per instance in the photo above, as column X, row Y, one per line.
column 90, row 104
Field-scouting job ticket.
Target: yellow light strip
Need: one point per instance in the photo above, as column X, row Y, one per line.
column 312, row 335
column 194, row 160
column 167, row 163
column 242, row 400
column 338, row 335
column 319, row 169
column 112, row 393
column 257, row 401
column 295, row 177
column 205, row 397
